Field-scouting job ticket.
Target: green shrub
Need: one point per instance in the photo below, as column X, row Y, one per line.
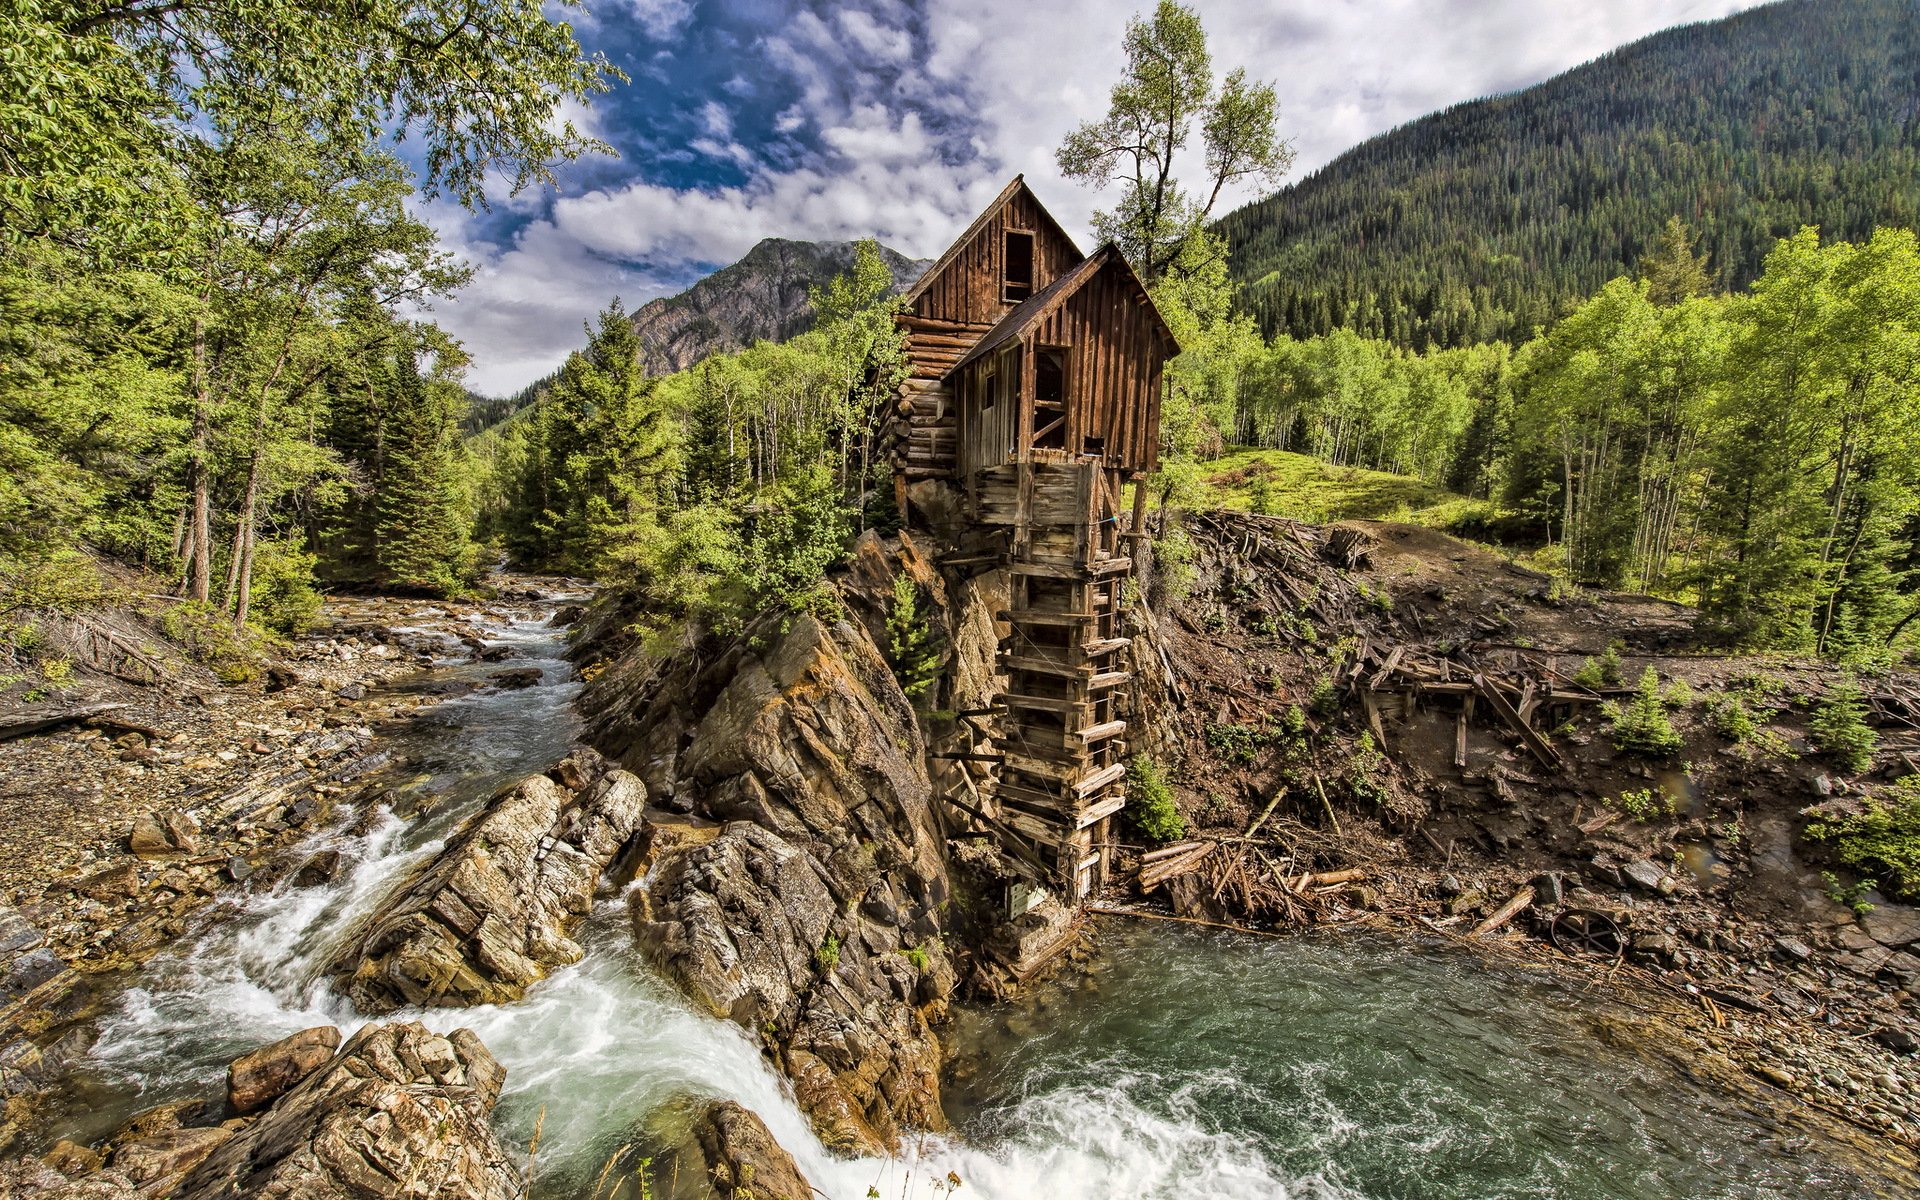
column 1679, row 694
column 1839, row 728
column 284, row 599
column 828, row 955
column 1646, row 804
column 1883, row 840
column 1239, row 743
column 1642, row 726
column 1600, row 672
column 1150, row 807
column 208, row 635
column 64, row 581
column 1324, row 700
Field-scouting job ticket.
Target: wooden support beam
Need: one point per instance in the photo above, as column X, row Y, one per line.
column 1100, row 779
column 1542, row 749
column 1101, row 732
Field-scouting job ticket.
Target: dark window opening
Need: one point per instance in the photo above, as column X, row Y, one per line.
column 1018, row 284
column 1050, row 399
column 989, row 391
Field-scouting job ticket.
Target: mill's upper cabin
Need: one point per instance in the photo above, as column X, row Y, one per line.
column 1023, row 349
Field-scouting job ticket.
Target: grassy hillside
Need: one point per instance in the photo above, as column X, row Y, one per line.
column 1486, row 219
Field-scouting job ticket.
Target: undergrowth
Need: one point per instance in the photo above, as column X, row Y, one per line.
column 1882, row 840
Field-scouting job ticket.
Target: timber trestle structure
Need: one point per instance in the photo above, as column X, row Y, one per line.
column 1032, row 402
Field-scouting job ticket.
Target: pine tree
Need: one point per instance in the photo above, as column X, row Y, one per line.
column 1672, row 271
column 421, row 523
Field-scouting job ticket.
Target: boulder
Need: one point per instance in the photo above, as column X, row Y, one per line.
column 320, row 867
column 1892, row 925
column 258, row 1079
column 518, row 677
column 491, row 913
column 1648, row 876
column 400, row 1112
column 743, row 1162
column 161, row 1118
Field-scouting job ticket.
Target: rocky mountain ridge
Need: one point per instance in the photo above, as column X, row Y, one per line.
column 764, row 296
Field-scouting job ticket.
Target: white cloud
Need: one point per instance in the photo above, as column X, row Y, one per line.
column 922, row 120
column 660, row 18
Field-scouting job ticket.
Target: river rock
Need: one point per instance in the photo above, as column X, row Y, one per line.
column 166, row 1155
column 811, row 919
column 492, row 913
column 743, row 1162
column 518, row 677
column 320, row 867
column 163, row 835
column 401, row 1112
column 32, row 1178
column 258, row 1079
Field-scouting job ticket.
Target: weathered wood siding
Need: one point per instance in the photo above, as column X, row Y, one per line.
column 1114, row 353
column 967, row 290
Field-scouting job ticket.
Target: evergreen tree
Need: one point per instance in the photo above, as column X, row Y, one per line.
column 1672, row 271
column 422, row 525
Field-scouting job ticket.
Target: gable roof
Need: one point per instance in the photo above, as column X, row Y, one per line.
column 1035, row 308
column 1014, row 187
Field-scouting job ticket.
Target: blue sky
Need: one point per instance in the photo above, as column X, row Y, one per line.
column 898, row 120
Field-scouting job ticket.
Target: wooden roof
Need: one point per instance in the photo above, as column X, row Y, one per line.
column 1014, row 187
column 1035, row 308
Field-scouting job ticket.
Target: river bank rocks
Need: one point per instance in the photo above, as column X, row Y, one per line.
column 398, row 1111
column 817, row 917
column 491, row 913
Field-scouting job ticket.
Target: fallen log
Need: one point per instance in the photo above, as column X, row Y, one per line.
column 1505, row 912
column 25, row 721
column 1153, row 876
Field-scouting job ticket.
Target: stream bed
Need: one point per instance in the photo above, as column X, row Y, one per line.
column 1184, row 1064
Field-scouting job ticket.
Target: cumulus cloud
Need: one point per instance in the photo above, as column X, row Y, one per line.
column 899, row 120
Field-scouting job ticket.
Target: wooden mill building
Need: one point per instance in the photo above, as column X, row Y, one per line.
column 1035, row 395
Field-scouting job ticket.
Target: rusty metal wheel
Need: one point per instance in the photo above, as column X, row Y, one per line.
column 1584, row 932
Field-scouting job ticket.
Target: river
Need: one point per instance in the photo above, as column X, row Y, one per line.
column 1185, row 1064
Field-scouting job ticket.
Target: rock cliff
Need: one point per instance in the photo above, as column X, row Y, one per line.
column 400, row 1111
column 817, row 915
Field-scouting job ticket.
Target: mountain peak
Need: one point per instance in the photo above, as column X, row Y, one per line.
column 763, row 296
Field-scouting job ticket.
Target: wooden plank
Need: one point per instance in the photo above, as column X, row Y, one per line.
column 1100, row 779
column 1102, row 731
column 1542, row 749
column 1107, row 679
column 1097, row 813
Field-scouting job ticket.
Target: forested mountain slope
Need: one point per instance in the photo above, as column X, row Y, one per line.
column 1489, row 218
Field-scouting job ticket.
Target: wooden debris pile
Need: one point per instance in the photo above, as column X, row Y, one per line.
column 1517, row 693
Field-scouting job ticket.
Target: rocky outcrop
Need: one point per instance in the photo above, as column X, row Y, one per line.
column 492, row 913
column 763, row 297
column 742, row 1160
column 815, row 918
column 402, row 1111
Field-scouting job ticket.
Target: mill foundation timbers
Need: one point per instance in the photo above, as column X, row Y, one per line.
column 1032, row 403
